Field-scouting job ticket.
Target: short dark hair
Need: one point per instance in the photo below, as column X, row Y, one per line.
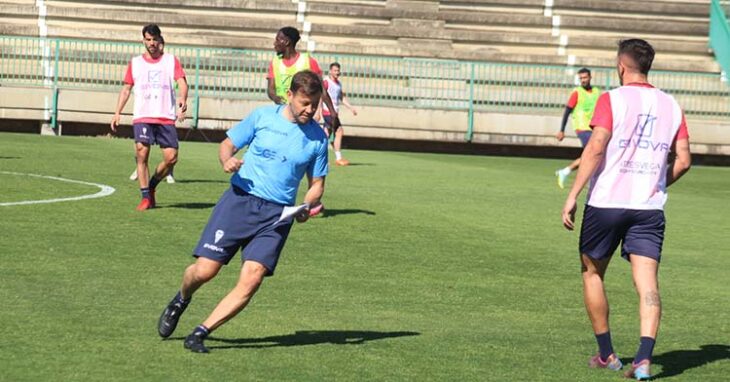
column 640, row 52
column 584, row 70
column 291, row 33
column 153, row 31
column 337, row 64
column 306, row 81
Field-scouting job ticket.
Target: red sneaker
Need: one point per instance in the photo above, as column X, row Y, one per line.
column 612, row 362
column 145, row 204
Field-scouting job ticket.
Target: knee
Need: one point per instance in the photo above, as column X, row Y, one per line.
column 171, row 160
column 250, row 283
column 141, row 152
column 202, row 274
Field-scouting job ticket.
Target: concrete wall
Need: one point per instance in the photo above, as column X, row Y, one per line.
column 381, row 123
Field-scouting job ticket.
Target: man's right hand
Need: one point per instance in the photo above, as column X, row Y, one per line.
column 115, row 122
column 559, row 136
column 233, row 164
column 278, row 100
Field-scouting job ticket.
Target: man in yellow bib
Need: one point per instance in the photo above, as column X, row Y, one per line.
column 282, row 69
column 289, row 62
column 581, row 104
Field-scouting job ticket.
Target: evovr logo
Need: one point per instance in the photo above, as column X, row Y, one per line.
column 153, row 76
column 218, row 235
column 644, row 128
column 644, row 125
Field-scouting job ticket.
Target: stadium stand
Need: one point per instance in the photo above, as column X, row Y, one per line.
column 513, row 61
column 577, row 33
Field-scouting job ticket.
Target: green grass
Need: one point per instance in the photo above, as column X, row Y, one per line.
column 427, row 267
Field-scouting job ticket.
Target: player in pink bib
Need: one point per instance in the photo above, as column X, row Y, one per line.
column 153, row 76
column 639, row 147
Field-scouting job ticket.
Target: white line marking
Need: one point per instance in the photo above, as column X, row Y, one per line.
column 105, row 190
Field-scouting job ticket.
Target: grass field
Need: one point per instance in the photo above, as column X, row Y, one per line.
column 426, row 267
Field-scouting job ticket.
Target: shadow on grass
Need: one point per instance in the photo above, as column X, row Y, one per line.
column 189, row 206
column 328, row 213
column 309, row 337
column 3, row 157
column 183, row 181
column 676, row 362
column 360, row 164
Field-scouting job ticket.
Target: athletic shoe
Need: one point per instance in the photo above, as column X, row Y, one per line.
column 134, row 175
column 612, row 362
column 561, row 178
column 145, row 204
column 639, row 371
column 152, row 199
column 194, row 343
column 342, row 162
column 170, row 179
column 169, row 317
column 316, row 210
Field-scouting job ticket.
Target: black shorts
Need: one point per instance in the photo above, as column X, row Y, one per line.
column 640, row 232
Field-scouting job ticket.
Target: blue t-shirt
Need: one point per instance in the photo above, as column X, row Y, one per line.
column 279, row 152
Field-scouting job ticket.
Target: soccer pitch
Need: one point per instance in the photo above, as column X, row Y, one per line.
column 424, row 267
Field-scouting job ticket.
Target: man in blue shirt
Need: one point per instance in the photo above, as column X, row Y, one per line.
column 284, row 144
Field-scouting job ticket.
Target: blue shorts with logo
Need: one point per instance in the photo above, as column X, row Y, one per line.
column 640, row 232
column 584, row 136
column 156, row 134
column 242, row 220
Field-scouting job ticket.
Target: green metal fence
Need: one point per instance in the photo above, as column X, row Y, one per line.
column 720, row 33
column 369, row 80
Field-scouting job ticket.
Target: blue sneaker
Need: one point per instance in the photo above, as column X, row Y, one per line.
column 612, row 362
column 640, row 371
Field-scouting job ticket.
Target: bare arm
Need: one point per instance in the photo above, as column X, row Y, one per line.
column 271, row 92
column 331, row 107
column 226, row 153
column 347, row 104
column 182, row 98
column 561, row 134
column 123, row 97
column 681, row 163
column 592, row 157
column 312, row 197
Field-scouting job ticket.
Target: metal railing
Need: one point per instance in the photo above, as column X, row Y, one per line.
column 368, row 80
column 720, row 33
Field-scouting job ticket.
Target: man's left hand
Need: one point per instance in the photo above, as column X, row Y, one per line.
column 182, row 107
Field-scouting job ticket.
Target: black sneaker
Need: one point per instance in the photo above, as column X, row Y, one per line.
column 194, row 343
column 170, row 316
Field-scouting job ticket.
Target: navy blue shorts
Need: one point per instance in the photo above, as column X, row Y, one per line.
column 584, row 136
column 328, row 125
column 242, row 220
column 641, row 232
column 155, row 134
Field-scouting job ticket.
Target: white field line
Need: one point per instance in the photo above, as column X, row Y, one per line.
column 104, row 190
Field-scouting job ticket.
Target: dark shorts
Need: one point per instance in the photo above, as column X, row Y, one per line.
column 242, row 220
column 155, row 134
column 641, row 232
column 584, row 136
column 328, row 124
